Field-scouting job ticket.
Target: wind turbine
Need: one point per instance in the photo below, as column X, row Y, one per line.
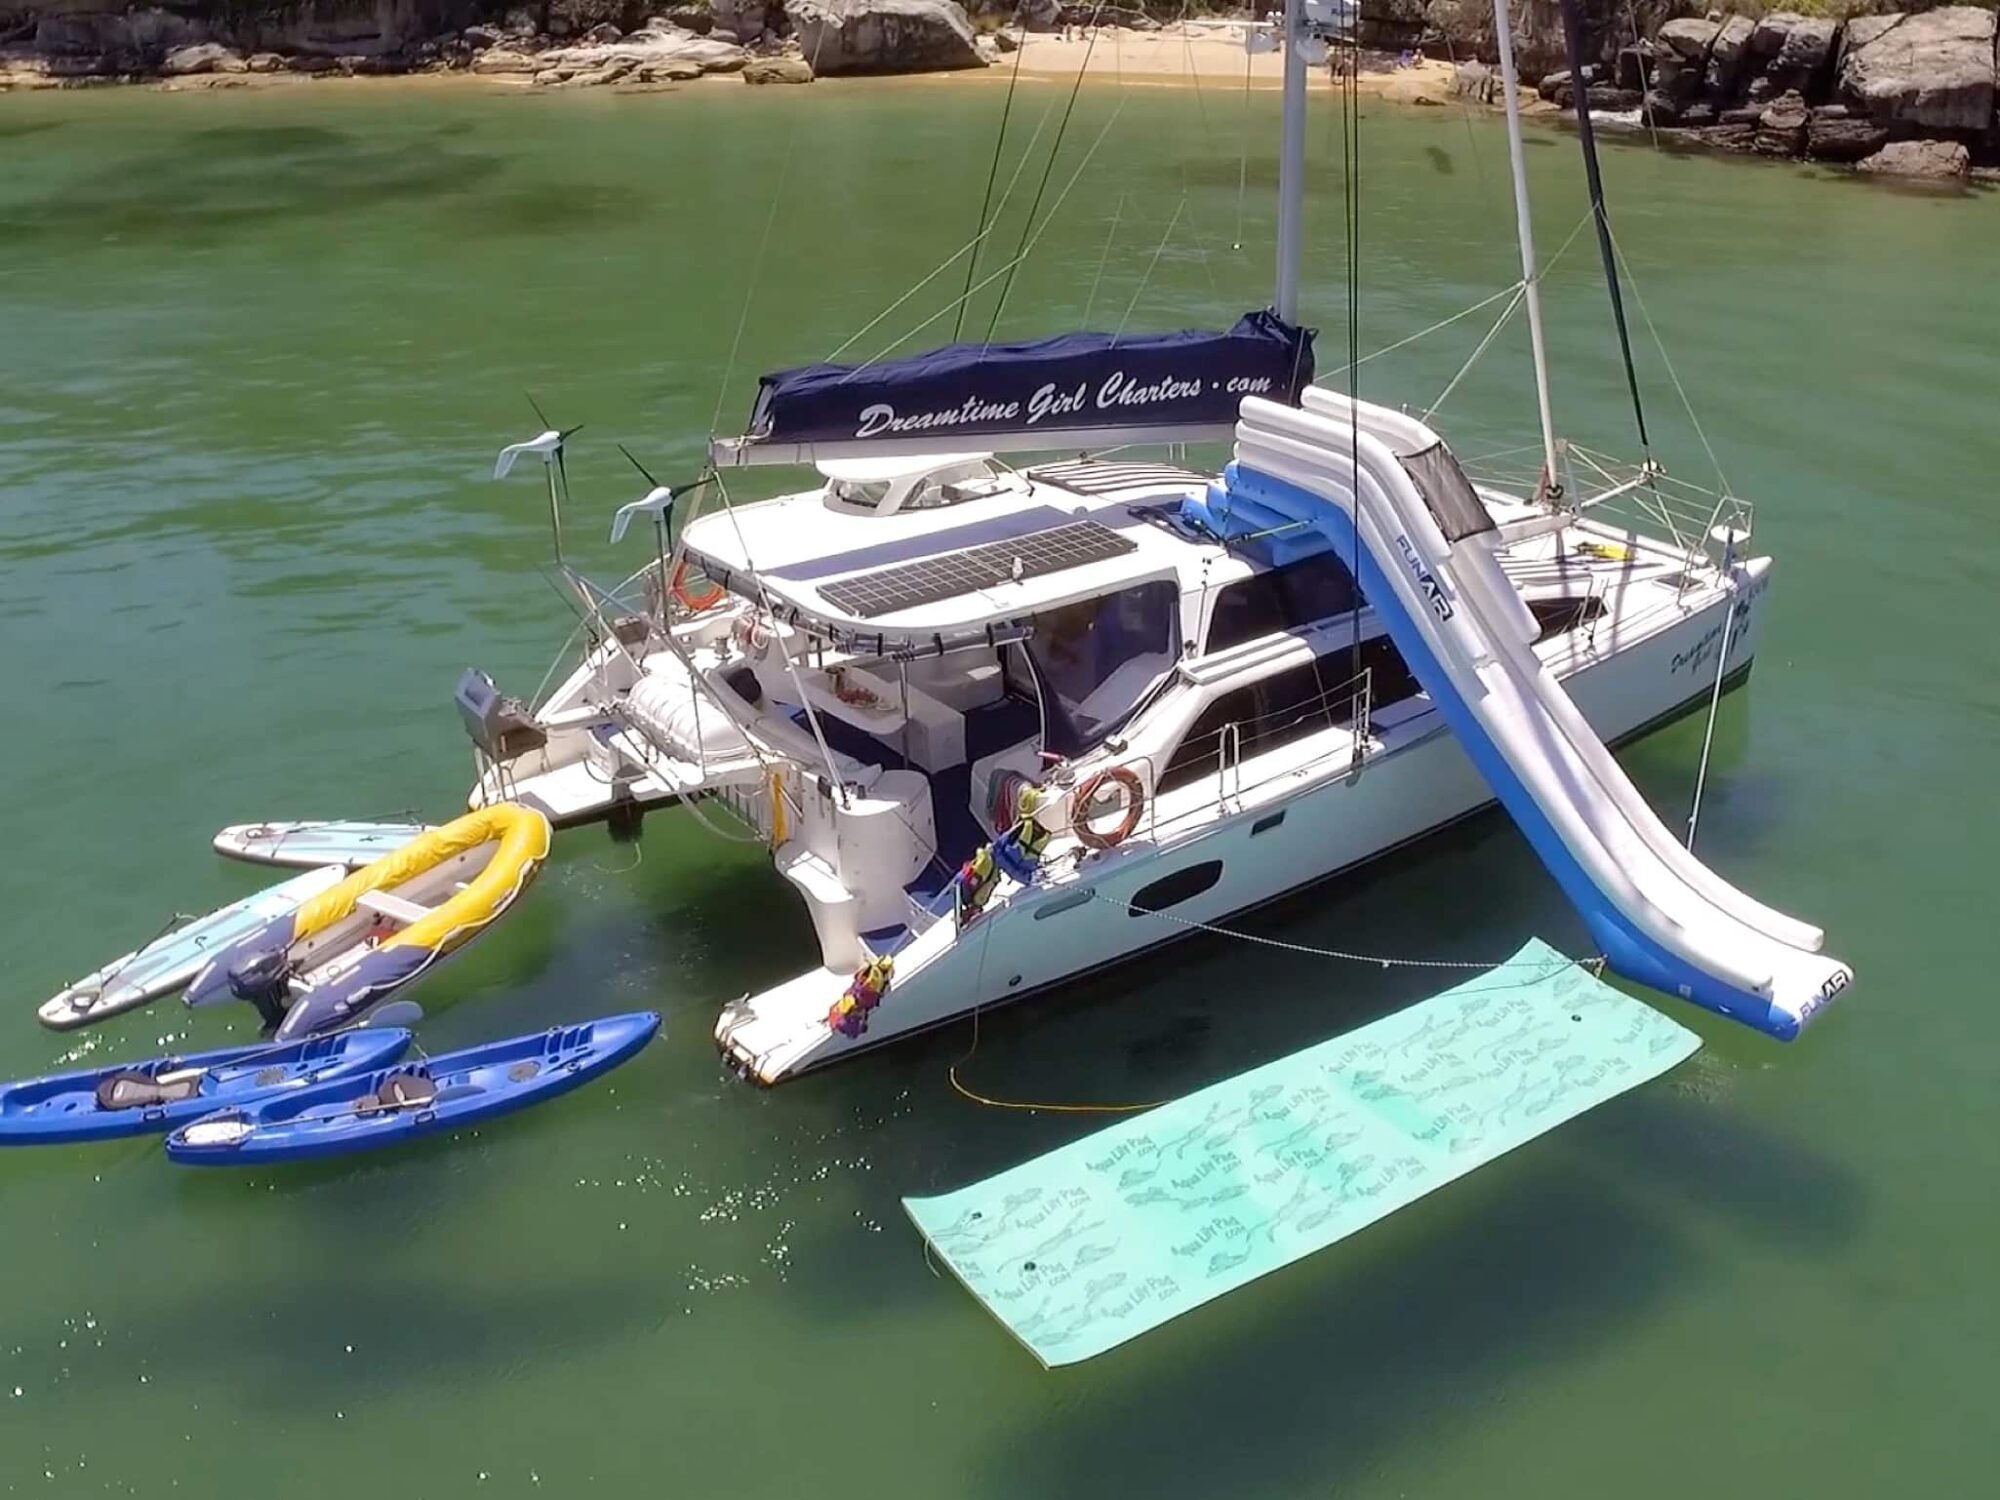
column 548, row 447
column 657, row 502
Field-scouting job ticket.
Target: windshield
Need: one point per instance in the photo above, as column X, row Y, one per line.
column 1097, row 657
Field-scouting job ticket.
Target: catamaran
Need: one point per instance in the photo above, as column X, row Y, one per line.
column 1005, row 722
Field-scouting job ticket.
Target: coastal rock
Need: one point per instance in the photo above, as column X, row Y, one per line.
column 603, row 34
column 669, row 70
column 884, row 36
column 643, row 57
column 777, row 70
column 264, row 62
column 745, row 20
column 1727, row 54
column 504, row 60
column 1929, row 159
column 1040, row 15
column 1921, row 159
column 1834, row 133
column 1781, row 128
column 1792, row 43
column 1690, row 37
column 1934, row 70
column 699, row 20
column 482, row 37
column 133, row 39
column 203, row 57
column 1476, row 82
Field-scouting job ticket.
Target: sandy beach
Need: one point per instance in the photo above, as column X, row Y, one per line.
column 1208, row 56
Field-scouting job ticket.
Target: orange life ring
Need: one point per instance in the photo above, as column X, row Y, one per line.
column 688, row 599
column 1135, row 805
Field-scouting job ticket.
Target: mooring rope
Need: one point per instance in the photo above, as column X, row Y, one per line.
column 1310, row 950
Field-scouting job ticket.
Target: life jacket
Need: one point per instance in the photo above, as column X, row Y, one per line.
column 864, row 992
column 975, row 881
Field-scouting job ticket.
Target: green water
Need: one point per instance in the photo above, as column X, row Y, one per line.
column 255, row 353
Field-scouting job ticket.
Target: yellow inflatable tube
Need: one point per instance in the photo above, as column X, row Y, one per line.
column 524, row 837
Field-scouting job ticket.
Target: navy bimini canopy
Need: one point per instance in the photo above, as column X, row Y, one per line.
column 1074, row 384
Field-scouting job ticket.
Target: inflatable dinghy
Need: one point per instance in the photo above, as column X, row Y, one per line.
column 172, row 959
column 103, row 1104
column 444, row 1092
column 307, row 845
column 349, row 948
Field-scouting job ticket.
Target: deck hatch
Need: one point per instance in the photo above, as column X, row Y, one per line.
column 926, row 580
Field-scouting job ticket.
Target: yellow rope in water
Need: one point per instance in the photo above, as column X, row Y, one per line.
column 976, row 1097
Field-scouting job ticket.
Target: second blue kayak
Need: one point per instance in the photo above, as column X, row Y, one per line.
column 392, row 1105
column 139, row 1098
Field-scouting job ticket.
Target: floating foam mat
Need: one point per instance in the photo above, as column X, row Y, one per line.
column 1093, row 1244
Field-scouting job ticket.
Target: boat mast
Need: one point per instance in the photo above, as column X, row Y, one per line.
column 1503, row 35
column 1292, row 166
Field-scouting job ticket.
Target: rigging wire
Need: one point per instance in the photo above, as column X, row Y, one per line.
column 1243, row 147
column 1506, row 314
column 1004, row 270
column 1350, row 152
column 763, row 245
column 992, row 176
column 1464, row 312
column 1048, row 167
column 1103, row 258
column 1580, row 96
column 1158, row 250
column 969, row 246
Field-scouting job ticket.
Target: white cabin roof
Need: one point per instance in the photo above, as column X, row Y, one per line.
column 800, row 545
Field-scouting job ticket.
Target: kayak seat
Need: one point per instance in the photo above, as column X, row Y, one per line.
column 403, row 1091
column 522, row 1071
column 139, row 1090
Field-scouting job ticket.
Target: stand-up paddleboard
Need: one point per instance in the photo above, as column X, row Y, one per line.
column 337, row 956
column 308, row 844
column 154, row 1096
column 444, row 1092
column 172, row 959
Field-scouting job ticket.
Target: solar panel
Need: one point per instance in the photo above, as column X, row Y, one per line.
column 926, row 580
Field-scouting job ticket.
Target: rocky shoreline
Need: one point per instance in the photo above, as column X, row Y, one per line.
column 1905, row 93
column 570, row 43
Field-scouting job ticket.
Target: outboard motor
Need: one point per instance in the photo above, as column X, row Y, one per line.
column 264, row 979
column 500, row 726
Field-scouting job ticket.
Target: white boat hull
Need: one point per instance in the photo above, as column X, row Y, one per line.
column 1276, row 839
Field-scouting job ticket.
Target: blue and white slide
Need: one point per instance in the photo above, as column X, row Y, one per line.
column 1661, row 917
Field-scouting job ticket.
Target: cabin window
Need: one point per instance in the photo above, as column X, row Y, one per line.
column 1172, row 890
column 1556, row 616
column 1287, row 598
column 1096, row 658
column 1287, row 706
column 854, row 492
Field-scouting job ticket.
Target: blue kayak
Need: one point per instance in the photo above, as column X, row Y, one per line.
column 156, row 1095
column 392, row 1105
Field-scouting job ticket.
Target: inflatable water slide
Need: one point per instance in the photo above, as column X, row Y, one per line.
column 1426, row 556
